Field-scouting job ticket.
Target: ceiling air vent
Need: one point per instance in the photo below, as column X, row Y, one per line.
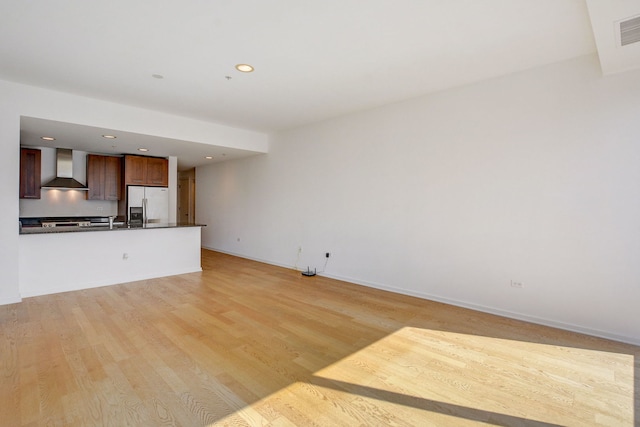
column 630, row 31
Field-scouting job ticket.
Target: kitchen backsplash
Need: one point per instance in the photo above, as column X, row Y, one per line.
column 65, row 202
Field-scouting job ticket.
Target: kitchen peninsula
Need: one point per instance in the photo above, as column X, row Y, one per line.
column 86, row 257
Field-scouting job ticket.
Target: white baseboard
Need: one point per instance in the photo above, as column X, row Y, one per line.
column 6, row 301
column 465, row 304
column 498, row 312
column 264, row 261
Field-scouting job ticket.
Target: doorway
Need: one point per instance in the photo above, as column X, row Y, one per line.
column 187, row 196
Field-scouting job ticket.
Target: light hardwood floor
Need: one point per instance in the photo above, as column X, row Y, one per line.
column 245, row 343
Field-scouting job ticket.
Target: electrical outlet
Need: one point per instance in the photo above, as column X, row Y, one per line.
column 327, row 255
column 125, row 256
column 515, row 284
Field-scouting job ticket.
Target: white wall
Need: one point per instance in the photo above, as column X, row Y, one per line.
column 20, row 100
column 9, row 193
column 533, row 177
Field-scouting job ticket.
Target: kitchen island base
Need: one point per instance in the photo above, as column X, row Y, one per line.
column 72, row 261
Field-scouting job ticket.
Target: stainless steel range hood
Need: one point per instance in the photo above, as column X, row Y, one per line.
column 64, row 173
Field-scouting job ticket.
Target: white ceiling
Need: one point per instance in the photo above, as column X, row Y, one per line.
column 89, row 138
column 313, row 59
column 605, row 18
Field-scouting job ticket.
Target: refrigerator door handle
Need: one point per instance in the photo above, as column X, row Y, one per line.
column 144, row 211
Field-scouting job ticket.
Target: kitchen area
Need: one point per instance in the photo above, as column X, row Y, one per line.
column 90, row 219
column 44, row 263
column 126, row 190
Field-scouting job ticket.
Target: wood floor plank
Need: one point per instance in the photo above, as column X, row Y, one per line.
column 249, row 344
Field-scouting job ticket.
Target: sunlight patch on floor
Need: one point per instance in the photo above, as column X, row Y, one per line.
column 442, row 378
column 469, row 374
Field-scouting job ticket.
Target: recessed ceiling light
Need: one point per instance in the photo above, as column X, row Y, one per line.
column 208, row 157
column 157, row 76
column 245, row 68
column 48, row 138
column 143, row 149
column 109, row 136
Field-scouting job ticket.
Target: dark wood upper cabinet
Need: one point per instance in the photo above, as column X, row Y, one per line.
column 157, row 172
column 150, row 171
column 30, row 171
column 104, row 175
column 95, row 177
column 112, row 178
column 135, row 170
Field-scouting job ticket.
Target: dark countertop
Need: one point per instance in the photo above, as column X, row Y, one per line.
column 58, row 230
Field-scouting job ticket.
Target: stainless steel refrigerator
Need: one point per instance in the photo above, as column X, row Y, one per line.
column 147, row 205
